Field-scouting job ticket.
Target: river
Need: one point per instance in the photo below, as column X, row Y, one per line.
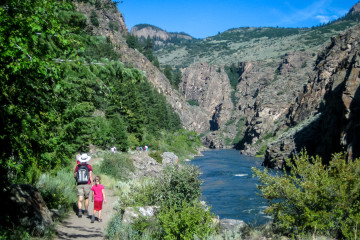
column 229, row 187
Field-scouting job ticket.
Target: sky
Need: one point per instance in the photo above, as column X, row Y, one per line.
column 203, row 19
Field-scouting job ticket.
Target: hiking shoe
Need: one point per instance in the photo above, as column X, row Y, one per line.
column 92, row 219
column 100, row 220
column 80, row 214
column 86, row 213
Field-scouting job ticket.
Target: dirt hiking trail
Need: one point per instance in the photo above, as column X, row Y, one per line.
column 74, row 227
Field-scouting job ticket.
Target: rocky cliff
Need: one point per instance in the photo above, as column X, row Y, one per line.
column 288, row 85
column 329, row 104
column 159, row 36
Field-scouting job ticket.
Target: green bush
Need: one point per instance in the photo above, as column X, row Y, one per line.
column 261, row 151
column 156, row 155
column 193, row 102
column 137, row 192
column 59, row 191
column 191, row 222
column 117, row 165
column 313, row 197
column 94, row 19
column 178, row 184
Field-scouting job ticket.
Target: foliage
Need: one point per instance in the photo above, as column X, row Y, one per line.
column 239, row 132
column 94, row 19
column 142, row 229
column 177, row 192
column 313, row 197
column 137, row 192
column 234, row 72
column 117, row 165
column 191, row 221
column 29, row 74
column 156, row 155
column 113, row 230
column 181, row 142
column 261, row 151
column 168, row 72
column 193, row 102
column 58, row 191
column 145, row 47
column 178, row 184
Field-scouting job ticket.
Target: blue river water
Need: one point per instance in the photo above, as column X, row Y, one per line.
column 229, row 187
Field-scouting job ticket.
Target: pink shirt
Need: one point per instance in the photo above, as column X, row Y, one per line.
column 98, row 196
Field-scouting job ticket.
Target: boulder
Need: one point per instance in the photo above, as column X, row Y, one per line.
column 169, row 158
column 26, row 208
column 131, row 213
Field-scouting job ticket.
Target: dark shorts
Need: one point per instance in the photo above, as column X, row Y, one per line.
column 84, row 190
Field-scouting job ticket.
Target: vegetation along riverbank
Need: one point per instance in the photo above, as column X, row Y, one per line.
column 73, row 79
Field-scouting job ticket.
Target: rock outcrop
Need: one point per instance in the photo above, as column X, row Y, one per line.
column 132, row 213
column 110, row 20
column 159, row 36
column 331, row 99
column 210, row 87
column 169, row 158
column 24, row 205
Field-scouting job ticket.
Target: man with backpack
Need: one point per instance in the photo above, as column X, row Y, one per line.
column 84, row 180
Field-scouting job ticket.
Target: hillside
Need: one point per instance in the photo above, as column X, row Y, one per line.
column 264, row 72
column 251, row 44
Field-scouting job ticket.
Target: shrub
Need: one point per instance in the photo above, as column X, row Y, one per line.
column 113, row 26
column 157, row 156
column 261, row 151
column 117, row 165
column 59, row 191
column 313, row 197
column 191, row 222
column 94, row 19
column 193, row 102
column 178, row 184
column 137, row 192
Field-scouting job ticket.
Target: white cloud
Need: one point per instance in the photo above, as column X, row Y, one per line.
column 325, row 19
column 316, row 11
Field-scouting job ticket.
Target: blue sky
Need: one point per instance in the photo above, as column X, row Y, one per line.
column 202, row 19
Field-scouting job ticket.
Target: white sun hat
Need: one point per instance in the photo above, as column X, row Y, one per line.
column 84, row 158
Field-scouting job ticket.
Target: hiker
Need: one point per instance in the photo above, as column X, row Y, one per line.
column 146, row 148
column 113, row 149
column 98, row 197
column 77, row 157
column 83, row 176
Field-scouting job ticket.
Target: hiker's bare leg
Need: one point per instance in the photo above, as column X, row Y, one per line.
column 80, row 202
column 99, row 214
column 86, row 203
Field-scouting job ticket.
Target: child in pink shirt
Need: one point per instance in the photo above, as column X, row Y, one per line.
column 98, row 197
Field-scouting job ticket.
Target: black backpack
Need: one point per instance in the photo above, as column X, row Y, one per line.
column 82, row 174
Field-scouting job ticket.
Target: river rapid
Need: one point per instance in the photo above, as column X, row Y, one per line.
column 229, row 187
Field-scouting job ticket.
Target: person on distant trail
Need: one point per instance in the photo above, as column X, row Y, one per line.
column 113, row 149
column 84, row 180
column 98, row 197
